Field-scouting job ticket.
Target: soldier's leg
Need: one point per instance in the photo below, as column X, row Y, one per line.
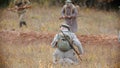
column 24, row 23
column 62, row 61
column 74, row 26
column 22, row 19
column 20, row 24
column 68, row 61
column 71, row 58
column 56, row 56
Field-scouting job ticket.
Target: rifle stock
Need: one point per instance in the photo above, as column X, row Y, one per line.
column 72, row 47
column 69, row 17
column 26, row 7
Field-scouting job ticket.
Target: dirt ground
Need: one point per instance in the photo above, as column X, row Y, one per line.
column 14, row 37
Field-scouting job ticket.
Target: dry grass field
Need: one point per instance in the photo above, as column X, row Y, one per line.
column 30, row 47
column 34, row 55
column 90, row 21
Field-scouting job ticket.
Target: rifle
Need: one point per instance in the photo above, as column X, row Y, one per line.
column 69, row 17
column 72, row 46
column 19, row 8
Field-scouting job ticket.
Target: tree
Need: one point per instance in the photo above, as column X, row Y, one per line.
column 4, row 3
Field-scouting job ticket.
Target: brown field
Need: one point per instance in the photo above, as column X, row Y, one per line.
column 30, row 47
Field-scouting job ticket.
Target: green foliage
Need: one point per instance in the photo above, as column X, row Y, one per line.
column 4, row 3
column 49, row 2
column 55, row 2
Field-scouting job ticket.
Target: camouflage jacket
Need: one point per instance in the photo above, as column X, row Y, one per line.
column 75, row 40
column 20, row 3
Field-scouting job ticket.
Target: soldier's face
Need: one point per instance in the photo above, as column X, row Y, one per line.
column 68, row 4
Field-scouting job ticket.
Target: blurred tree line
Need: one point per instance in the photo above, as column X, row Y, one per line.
column 100, row 4
column 4, row 3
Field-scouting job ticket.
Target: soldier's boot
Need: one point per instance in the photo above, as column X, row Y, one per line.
column 54, row 61
column 21, row 24
column 24, row 23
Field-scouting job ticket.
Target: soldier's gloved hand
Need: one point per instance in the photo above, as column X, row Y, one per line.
column 62, row 17
column 25, row 6
column 16, row 7
column 69, row 17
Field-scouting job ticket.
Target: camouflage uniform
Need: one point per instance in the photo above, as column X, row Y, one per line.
column 70, row 11
column 67, row 56
column 21, row 12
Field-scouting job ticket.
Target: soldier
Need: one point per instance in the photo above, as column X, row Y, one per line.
column 69, row 13
column 64, row 53
column 21, row 5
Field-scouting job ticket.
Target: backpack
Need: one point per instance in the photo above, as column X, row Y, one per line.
column 63, row 43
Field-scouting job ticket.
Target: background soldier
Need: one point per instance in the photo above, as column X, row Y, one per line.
column 64, row 53
column 69, row 13
column 21, row 6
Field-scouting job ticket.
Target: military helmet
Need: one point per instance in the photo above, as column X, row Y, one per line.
column 68, row 1
column 66, row 26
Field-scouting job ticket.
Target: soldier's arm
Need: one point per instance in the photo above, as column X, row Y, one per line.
column 16, row 5
column 14, row 9
column 54, row 42
column 27, row 3
column 77, row 43
column 63, row 11
column 75, row 12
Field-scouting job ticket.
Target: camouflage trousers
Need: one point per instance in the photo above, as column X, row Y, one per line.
column 21, row 15
column 64, row 57
column 73, row 25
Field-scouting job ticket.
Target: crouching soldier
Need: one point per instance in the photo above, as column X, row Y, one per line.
column 21, row 6
column 62, row 41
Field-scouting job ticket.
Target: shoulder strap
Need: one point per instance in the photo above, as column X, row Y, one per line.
column 70, row 41
column 72, row 47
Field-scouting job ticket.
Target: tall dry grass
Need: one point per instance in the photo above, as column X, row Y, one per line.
column 90, row 21
column 46, row 20
column 40, row 56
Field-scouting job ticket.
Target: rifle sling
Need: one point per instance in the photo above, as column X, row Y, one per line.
column 67, row 40
column 72, row 46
